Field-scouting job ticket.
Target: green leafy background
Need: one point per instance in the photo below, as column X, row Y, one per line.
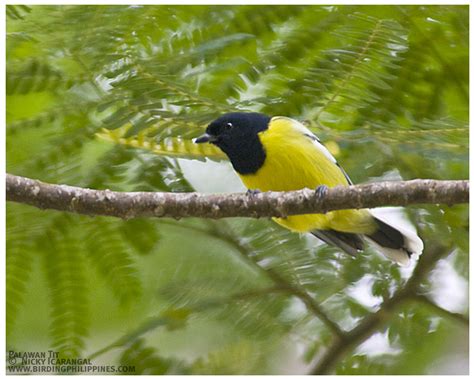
column 111, row 96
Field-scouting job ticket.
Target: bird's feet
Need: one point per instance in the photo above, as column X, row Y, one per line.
column 321, row 191
column 253, row 192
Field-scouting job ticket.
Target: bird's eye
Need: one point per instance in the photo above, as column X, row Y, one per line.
column 229, row 125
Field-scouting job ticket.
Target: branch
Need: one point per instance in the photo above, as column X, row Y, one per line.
column 152, row 323
column 279, row 281
column 269, row 204
column 374, row 321
column 440, row 310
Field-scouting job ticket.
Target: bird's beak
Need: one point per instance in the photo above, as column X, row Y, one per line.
column 205, row 138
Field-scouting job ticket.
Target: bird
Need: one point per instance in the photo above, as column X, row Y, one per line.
column 280, row 154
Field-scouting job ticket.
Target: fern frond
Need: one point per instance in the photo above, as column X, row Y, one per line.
column 58, row 155
column 19, row 263
column 25, row 227
column 252, row 311
column 170, row 318
column 148, row 107
column 37, row 76
column 17, row 12
column 437, row 138
column 110, row 172
column 242, row 358
column 63, row 115
column 376, row 44
column 143, row 235
column 174, row 147
column 112, row 258
column 145, row 360
column 296, row 40
column 65, row 270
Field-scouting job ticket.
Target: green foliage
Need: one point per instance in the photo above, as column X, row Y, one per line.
column 17, row 12
column 18, row 268
column 218, row 363
column 144, row 360
column 65, row 271
column 109, row 253
column 110, row 97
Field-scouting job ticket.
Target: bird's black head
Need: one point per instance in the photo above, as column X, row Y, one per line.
column 236, row 134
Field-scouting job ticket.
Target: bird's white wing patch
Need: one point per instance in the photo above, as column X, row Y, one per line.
column 317, row 143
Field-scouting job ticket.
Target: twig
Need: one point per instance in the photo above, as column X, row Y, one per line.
column 441, row 311
column 280, row 282
column 280, row 204
column 372, row 322
column 163, row 319
column 268, row 204
column 350, row 74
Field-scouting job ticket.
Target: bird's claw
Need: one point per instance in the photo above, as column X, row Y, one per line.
column 321, row 191
column 253, row 192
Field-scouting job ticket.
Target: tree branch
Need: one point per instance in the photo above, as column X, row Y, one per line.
column 149, row 204
column 440, row 310
column 269, row 204
column 279, row 281
column 374, row 321
column 152, row 323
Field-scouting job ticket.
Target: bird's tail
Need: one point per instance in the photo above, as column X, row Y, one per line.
column 396, row 243
column 350, row 243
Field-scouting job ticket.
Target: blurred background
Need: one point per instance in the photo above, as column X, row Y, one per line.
column 111, row 96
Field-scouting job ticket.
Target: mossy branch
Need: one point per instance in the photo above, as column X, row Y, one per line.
column 269, row 204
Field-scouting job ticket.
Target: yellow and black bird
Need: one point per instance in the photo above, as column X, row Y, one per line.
column 280, row 154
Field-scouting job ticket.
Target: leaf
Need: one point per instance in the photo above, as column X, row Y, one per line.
column 239, row 359
column 168, row 147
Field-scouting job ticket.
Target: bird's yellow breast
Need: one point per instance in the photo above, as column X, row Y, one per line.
column 294, row 161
